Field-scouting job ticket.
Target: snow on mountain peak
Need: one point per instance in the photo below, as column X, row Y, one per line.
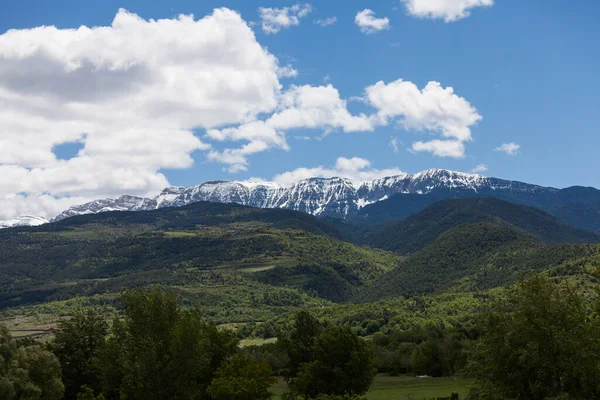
column 335, row 196
column 24, row 220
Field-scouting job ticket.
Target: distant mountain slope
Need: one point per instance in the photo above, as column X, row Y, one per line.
column 99, row 253
column 577, row 206
column 408, row 235
column 472, row 257
column 583, row 216
column 194, row 216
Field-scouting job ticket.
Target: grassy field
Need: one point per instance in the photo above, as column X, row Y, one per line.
column 256, row 342
column 405, row 388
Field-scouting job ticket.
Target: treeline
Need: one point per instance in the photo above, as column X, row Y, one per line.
column 539, row 342
column 158, row 350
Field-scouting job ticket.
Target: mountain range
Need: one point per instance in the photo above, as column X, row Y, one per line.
column 364, row 203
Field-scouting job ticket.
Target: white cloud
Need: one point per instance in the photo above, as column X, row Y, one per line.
column 479, row 168
column 368, row 23
column 441, row 148
column 509, row 148
column 448, row 10
column 132, row 93
column 287, row 71
column 276, row 19
column 326, row 21
column 308, row 107
column 356, row 169
column 434, row 108
column 394, row 145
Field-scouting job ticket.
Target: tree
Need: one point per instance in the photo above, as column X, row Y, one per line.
column 78, row 345
column 159, row 351
column 427, row 358
column 539, row 344
column 28, row 372
column 342, row 366
column 242, row 379
column 299, row 345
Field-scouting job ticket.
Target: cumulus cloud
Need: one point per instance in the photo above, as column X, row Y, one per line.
column 441, row 148
column 326, row 21
column 479, row 168
column 356, row 169
column 308, row 107
column 132, row 92
column 434, row 109
column 448, row 10
column 509, row 148
column 276, row 19
column 368, row 23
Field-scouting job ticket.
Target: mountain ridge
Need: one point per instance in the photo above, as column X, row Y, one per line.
column 342, row 198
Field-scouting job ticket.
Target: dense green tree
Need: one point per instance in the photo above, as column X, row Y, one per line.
column 242, row 379
column 342, row 365
column 299, row 345
column 28, row 372
column 78, row 345
column 427, row 358
column 540, row 344
column 159, row 351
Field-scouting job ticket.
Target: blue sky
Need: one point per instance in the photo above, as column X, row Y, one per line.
column 529, row 68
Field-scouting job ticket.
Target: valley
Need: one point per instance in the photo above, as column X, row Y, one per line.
column 401, row 286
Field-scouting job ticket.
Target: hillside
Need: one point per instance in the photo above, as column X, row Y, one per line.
column 584, row 216
column 472, row 257
column 577, row 206
column 191, row 246
column 243, row 265
column 405, row 236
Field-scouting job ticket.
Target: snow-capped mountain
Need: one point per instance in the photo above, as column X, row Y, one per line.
column 24, row 220
column 335, row 197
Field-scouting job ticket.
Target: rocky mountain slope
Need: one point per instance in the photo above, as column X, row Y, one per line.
column 359, row 202
column 335, row 197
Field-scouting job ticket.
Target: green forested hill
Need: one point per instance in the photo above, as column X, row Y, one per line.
column 408, row 235
column 194, row 216
column 96, row 254
column 473, row 257
column 585, row 216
